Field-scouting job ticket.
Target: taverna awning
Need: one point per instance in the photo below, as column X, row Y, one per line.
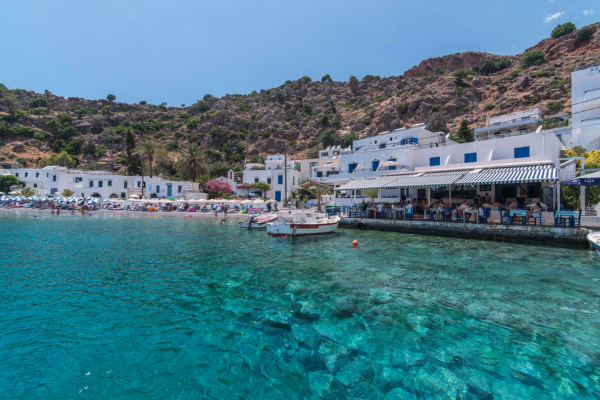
column 431, row 179
column 361, row 184
column 533, row 173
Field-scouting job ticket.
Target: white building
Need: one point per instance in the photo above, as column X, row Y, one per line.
column 418, row 163
column 585, row 107
column 507, row 124
column 52, row 180
column 273, row 173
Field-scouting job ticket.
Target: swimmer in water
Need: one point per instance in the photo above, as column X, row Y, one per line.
column 222, row 222
column 35, row 216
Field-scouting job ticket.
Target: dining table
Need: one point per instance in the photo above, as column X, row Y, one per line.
column 398, row 210
column 522, row 213
column 571, row 214
column 473, row 212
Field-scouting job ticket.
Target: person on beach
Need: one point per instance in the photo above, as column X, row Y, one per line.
column 224, row 209
column 57, row 210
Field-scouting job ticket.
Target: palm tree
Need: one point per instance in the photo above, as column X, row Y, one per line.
column 67, row 192
column 147, row 149
column 371, row 193
column 27, row 191
column 318, row 190
column 191, row 161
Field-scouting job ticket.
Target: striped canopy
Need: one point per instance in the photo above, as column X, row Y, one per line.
column 361, row 184
column 534, row 173
column 427, row 179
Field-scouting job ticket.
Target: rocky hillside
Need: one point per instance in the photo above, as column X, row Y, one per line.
column 295, row 115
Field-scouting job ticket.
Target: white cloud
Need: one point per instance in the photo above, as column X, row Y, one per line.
column 551, row 17
column 588, row 12
column 514, row 47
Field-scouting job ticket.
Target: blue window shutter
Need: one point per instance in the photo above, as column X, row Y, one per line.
column 433, row 161
column 521, row 152
column 280, row 179
column 470, row 157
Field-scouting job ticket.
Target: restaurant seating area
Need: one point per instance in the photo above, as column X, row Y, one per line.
column 444, row 213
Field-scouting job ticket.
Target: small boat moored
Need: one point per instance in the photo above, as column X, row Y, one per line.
column 594, row 240
column 304, row 223
column 257, row 221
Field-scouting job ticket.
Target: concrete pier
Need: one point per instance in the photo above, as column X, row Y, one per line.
column 480, row 231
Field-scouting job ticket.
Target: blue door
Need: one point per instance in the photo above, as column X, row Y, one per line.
column 278, row 195
column 391, row 167
column 351, row 167
column 375, row 165
column 157, row 188
column 169, row 191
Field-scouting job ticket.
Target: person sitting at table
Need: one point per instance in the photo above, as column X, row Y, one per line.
column 464, row 206
column 537, row 208
column 487, row 199
column 481, row 211
column 409, row 208
column 476, row 201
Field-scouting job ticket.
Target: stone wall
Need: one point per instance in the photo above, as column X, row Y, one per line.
column 480, row 231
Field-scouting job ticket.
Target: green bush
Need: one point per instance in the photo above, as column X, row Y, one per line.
column 38, row 102
column 17, row 130
column 401, row 108
column 437, row 108
column 533, row 100
column 490, row 66
column 40, row 135
column 215, row 131
column 326, row 78
column 191, row 123
column 38, row 111
column 371, row 78
column 542, row 74
column 515, row 73
column 555, row 106
column 324, row 120
column 348, row 138
column 557, row 83
column 304, row 79
column 143, row 103
column 438, row 71
column 159, row 135
column 489, row 106
column 105, row 110
column 100, row 150
column 203, row 105
column 207, row 97
column 562, row 30
column 584, row 34
column 532, row 57
column 111, row 97
column 171, row 146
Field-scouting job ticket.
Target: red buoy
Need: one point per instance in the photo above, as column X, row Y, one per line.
column 190, row 216
column 355, row 243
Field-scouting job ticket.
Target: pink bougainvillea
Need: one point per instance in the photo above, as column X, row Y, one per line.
column 216, row 188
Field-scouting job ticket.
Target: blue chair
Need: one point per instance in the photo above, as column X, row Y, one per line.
column 578, row 220
column 410, row 215
column 504, row 220
column 535, row 219
column 459, row 218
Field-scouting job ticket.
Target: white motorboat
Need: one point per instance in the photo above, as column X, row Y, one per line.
column 258, row 221
column 304, row 223
column 594, row 240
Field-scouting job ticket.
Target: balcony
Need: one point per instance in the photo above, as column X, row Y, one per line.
column 504, row 125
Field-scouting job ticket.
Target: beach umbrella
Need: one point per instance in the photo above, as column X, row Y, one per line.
column 585, row 180
column 258, row 201
column 244, row 202
column 310, row 203
column 390, row 164
column 134, row 196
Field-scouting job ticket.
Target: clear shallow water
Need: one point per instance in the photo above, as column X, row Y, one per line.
column 114, row 306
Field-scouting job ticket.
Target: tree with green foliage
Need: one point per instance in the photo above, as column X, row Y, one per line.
column 147, row 149
column 324, row 120
column 371, row 193
column 38, row 102
column 305, row 79
column 143, row 103
column 329, row 137
column 105, row 110
column 465, row 132
column 584, row 34
column 207, row 97
column 348, row 139
column 490, row 66
column 67, row 193
column 191, row 162
column 27, row 191
column 6, row 181
column 326, row 78
column 532, row 57
column 438, row 71
column 10, row 104
column 318, row 190
column 562, row 30
column 437, row 122
column 401, row 108
column 111, row 97
column 61, row 159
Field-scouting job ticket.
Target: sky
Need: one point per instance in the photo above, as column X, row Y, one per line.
column 178, row 50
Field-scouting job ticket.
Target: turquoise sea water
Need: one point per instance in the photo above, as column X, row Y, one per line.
column 142, row 307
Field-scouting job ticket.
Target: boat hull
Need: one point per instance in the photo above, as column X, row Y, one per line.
column 261, row 223
column 594, row 241
column 286, row 229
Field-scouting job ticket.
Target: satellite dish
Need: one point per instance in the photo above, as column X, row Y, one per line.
column 539, row 129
